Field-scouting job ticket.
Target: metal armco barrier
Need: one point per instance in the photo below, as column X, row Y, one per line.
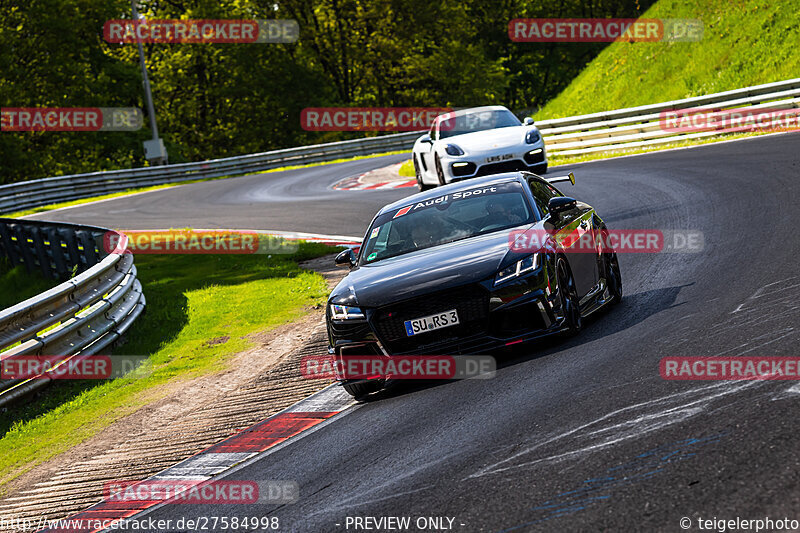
column 638, row 127
column 629, row 128
column 87, row 313
column 622, row 129
column 81, row 316
column 34, row 193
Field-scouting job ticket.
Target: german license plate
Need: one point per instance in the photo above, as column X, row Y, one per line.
column 431, row 322
column 504, row 157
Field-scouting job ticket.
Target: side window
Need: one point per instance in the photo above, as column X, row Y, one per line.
column 553, row 191
column 432, row 133
column 541, row 194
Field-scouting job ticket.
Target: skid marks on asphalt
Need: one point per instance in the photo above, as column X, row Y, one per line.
column 773, row 302
column 601, row 489
column 623, row 424
column 768, row 315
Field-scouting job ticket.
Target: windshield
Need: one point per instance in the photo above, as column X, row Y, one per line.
column 477, row 121
column 444, row 219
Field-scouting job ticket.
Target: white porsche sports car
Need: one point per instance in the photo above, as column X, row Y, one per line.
column 476, row 142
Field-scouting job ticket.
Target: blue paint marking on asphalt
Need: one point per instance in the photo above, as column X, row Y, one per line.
column 651, row 462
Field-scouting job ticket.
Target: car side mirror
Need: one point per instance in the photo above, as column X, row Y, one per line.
column 559, row 204
column 528, row 121
column 426, row 139
column 346, row 258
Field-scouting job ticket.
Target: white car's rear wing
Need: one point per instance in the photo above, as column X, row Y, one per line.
column 556, row 179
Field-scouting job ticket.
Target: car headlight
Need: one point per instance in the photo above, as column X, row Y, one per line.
column 453, row 149
column 517, row 269
column 533, row 136
column 346, row 312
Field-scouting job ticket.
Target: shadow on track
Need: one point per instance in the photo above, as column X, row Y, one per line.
column 633, row 309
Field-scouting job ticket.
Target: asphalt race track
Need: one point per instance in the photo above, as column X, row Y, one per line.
column 571, row 435
column 292, row 200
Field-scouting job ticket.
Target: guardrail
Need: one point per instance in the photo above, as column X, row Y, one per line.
column 633, row 127
column 34, row 193
column 641, row 126
column 83, row 315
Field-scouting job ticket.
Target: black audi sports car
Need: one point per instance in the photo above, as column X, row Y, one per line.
column 436, row 273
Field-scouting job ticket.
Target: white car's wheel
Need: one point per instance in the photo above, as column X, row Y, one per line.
column 418, row 174
column 440, row 172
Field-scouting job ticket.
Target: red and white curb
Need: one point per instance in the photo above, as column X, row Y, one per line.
column 355, row 184
column 333, row 240
column 245, row 446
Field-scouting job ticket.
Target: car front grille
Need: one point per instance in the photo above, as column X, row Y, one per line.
column 349, row 330
column 499, row 168
column 471, row 303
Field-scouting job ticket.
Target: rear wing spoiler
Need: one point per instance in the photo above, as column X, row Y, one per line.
column 557, row 179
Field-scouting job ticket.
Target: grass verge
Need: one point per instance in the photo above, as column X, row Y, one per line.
column 407, row 169
column 745, row 43
column 191, row 300
column 17, row 284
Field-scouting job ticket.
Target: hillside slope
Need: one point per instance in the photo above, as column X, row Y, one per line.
column 745, row 42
